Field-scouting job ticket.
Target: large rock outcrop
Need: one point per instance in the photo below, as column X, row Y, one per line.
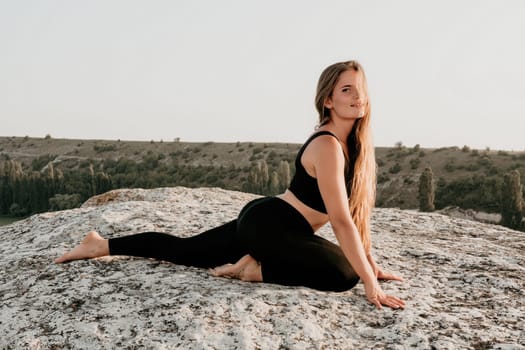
column 464, row 285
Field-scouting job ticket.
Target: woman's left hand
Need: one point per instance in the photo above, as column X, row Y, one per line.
column 379, row 273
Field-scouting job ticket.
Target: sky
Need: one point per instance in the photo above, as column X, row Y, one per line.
column 440, row 73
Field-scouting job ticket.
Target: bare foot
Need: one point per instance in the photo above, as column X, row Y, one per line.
column 92, row 246
column 246, row 269
column 227, row 270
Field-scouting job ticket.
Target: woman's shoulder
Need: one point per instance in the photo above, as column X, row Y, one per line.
column 324, row 146
column 319, row 133
column 325, row 138
column 320, row 137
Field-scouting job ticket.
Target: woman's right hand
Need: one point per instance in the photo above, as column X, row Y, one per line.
column 378, row 297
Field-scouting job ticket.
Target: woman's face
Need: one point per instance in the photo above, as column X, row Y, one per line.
column 348, row 99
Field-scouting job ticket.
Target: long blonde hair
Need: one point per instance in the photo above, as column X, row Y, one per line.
column 360, row 146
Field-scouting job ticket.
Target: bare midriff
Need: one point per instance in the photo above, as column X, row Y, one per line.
column 315, row 218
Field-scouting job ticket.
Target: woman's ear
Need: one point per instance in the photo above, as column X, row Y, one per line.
column 328, row 103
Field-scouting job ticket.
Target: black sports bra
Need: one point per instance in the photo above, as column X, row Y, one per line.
column 305, row 187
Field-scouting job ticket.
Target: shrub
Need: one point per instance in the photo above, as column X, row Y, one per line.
column 484, row 161
column 104, row 148
column 473, row 167
column 381, row 178
column 65, row 201
column 394, row 169
column 450, row 166
column 16, row 210
column 414, row 163
column 38, row 163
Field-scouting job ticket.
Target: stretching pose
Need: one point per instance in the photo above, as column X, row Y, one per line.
column 273, row 238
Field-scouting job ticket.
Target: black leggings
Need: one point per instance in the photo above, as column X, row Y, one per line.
column 271, row 231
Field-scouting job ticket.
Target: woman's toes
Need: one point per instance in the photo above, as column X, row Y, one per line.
column 246, row 269
column 223, row 270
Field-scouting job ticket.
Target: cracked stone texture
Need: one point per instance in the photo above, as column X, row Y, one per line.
column 464, row 285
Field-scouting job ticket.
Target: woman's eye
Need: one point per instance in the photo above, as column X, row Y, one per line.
column 346, row 89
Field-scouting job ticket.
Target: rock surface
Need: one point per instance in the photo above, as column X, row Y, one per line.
column 470, row 214
column 464, row 285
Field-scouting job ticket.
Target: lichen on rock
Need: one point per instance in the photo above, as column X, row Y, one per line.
column 463, row 285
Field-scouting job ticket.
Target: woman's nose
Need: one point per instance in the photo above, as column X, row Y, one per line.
column 360, row 97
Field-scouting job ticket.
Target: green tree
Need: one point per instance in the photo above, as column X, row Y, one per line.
column 16, row 210
column 284, row 174
column 258, row 178
column 92, row 181
column 11, row 175
column 512, row 200
column 265, row 175
column 253, row 182
column 102, row 182
column 65, row 201
column 275, row 184
column 426, row 190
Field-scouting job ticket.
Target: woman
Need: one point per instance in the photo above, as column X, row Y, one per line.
column 273, row 239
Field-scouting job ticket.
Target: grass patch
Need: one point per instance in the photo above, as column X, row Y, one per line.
column 6, row 220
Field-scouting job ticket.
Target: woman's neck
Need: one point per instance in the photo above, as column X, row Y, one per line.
column 339, row 129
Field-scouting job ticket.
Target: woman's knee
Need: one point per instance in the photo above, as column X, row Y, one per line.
column 345, row 284
column 341, row 278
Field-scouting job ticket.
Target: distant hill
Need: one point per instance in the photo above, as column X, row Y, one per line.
column 27, row 149
column 455, row 170
column 460, row 173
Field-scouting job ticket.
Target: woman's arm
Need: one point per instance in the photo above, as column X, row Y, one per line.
column 379, row 273
column 328, row 162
